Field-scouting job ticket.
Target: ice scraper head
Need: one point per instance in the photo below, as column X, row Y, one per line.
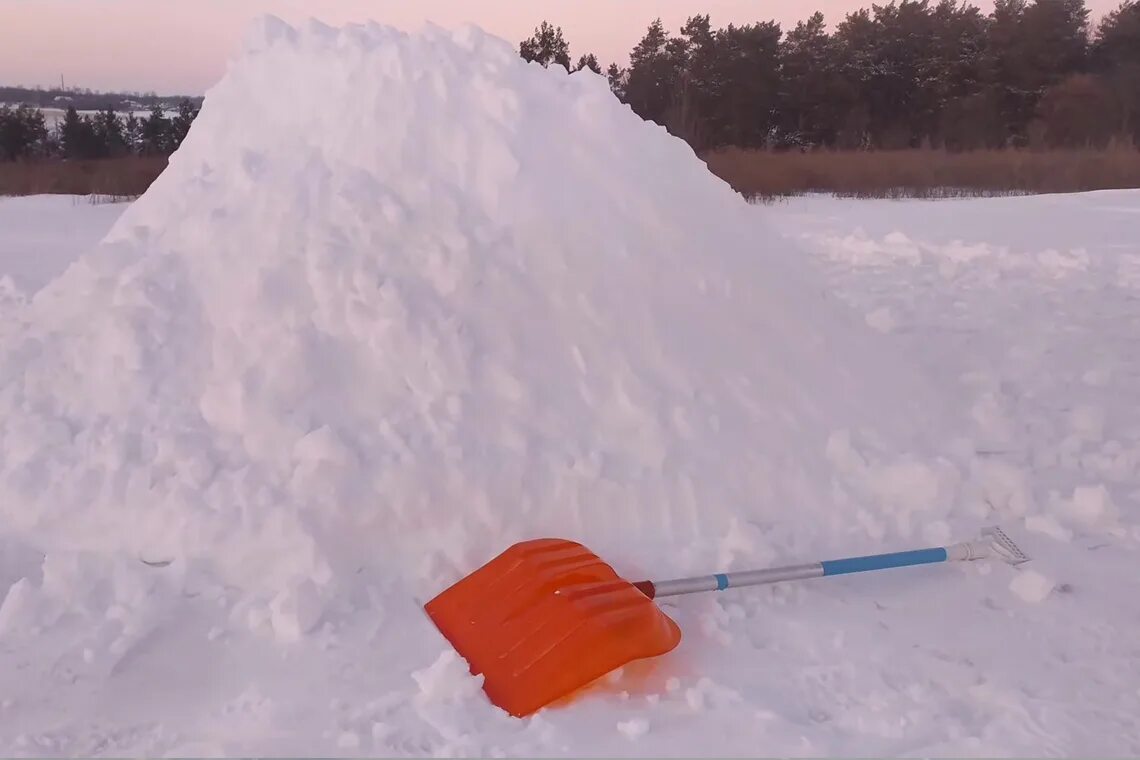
column 545, row 618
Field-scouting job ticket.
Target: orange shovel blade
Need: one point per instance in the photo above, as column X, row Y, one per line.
column 545, row 618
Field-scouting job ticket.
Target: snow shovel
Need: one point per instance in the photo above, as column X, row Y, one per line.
column 548, row 616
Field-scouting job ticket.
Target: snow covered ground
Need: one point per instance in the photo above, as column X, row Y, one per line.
column 324, row 375
column 1026, row 309
column 43, row 234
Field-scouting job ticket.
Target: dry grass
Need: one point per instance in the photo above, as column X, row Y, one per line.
column 108, row 179
column 925, row 173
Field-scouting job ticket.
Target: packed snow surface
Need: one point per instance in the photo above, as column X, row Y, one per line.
column 337, row 357
column 36, row 248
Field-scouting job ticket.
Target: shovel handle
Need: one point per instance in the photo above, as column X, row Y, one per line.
column 722, row 581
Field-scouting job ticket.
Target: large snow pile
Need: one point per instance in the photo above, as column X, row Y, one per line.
column 432, row 300
column 399, row 301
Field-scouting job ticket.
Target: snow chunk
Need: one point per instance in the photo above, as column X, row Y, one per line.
column 1088, row 422
column 296, row 610
column 900, row 486
column 1098, row 377
column 634, row 728
column 882, row 319
column 1048, row 525
column 11, row 297
column 1057, row 264
column 197, row 749
column 857, row 249
column 17, row 606
column 1031, row 586
column 1092, row 505
column 447, row 679
column 1006, row 487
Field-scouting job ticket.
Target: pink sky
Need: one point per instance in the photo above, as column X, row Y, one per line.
column 181, row 46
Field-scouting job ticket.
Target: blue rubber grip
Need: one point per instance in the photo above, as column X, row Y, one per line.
column 883, row 561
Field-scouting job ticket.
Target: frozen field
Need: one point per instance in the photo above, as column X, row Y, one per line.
column 325, row 375
column 43, row 234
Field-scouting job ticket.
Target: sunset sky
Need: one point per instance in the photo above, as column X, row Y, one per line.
column 181, row 46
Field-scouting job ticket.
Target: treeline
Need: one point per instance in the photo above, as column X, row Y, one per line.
column 106, row 134
column 84, row 99
column 911, row 73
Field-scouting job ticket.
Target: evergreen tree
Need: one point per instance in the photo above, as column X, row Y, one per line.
column 888, row 60
column 132, row 133
column 812, row 98
column 856, row 48
column 589, row 61
column 1116, row 55
column 745, row 86
column 617, row 78
column 1003, row 70
column 1055, row 41
column 957, row 49
column 956, row 70
column 654, row 74
column 1077, row 112
column 1030, row 48
column 109, row 135
column 546, row 46
column 180, row 125
column 77, row 137
column 155, row 134
column 1117, row 43
column 699, row 88
column 22, row 132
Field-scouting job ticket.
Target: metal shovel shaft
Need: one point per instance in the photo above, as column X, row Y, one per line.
column 993, row 544
column 722, row 581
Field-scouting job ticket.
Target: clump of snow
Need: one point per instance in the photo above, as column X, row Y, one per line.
column 348, row 740
column 296, row 610
column 1048, row 525
column 706, row 694
column 10, row 295
column 951, row 259
column 1088, row 422
column 447, row 679
column 858, row 249
column 16, row 605
column 1031, row 586
column 881, row 319
column 1098, row 377
column 1092, row 505
column 1005, row 487
column 903, row 491
column 1060, row 264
